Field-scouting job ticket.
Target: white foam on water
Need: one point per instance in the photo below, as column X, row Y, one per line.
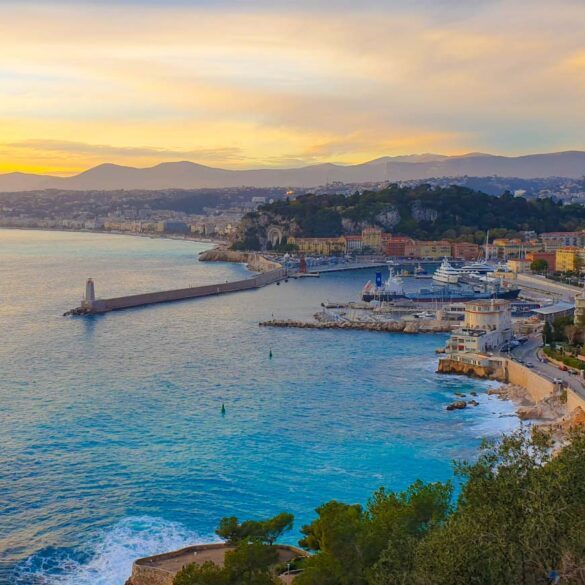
column 110, row 556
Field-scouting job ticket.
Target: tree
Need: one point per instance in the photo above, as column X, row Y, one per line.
column 266, row 531
column 539, row 266
column 206, row 574
column 547, row 333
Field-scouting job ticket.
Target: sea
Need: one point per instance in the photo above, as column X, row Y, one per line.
column 113, row 445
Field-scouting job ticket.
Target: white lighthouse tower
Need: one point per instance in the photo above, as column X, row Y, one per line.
column 89, row 297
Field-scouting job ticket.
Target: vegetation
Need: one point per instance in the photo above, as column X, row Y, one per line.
column 265, row 531
column 520, row 515
column 539, row 266
column 519, row 518
column 249, row 564
column 422, row 212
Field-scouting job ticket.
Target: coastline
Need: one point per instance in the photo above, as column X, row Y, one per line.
column 215, row 242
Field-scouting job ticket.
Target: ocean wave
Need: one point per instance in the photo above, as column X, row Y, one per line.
column 108, row 559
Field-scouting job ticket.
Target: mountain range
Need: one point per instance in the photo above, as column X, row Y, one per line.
column 189, row 175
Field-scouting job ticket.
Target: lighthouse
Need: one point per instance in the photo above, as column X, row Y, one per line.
column 89, row 297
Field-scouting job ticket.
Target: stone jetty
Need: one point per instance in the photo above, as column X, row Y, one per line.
column 380, row 326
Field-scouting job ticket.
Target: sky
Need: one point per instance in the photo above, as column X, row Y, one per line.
column 254, row 83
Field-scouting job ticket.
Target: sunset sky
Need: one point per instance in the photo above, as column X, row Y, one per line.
column 242, row 84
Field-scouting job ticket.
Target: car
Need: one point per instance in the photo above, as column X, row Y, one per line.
column 529, row 364
column 563, row 368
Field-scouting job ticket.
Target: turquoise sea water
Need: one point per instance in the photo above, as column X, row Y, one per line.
column 112, row 441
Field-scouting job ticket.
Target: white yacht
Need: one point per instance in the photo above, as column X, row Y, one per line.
column 476, row 268
column 447, row 274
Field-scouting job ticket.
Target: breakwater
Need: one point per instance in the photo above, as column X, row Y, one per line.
column 382, row 327
column 92, row 306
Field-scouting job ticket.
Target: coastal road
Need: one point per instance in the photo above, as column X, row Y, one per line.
column 528, row 353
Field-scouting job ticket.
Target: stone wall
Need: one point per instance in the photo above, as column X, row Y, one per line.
column 538, row 387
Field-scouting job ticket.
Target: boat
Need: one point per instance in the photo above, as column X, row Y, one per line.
column 420, row 272
column 481, row 268
column 393, row 290
column 446, row 274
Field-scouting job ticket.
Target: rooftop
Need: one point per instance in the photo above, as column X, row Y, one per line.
column 559, row 307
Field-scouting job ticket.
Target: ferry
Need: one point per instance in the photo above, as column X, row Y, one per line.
column 447, row 274
column 393, row 290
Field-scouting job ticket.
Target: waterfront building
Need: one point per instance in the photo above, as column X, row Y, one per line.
column 353, row 244
column 319, row 246
column 553, row 312
column 396, row 246
column 372, row 238
column 552, row 241
column 433, row 250
column 465, row 250
column 549, row 257
column 518, row 265
column 487, row 326
column 569, row 259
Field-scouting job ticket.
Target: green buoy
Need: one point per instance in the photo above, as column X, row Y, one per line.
column 222, row 409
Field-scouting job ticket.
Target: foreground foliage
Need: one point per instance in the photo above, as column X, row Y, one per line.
column 520, row 516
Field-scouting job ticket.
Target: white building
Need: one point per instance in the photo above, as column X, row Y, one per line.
column 487, row 326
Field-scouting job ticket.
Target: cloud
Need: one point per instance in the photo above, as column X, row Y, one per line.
column 105, row 150
column 268, row 82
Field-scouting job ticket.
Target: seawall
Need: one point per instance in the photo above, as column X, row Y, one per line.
column 131, row 301
column 503, row 370
column 383, row 327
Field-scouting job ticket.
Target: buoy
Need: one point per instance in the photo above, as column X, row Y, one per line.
column 270, row 354
column 222, row 409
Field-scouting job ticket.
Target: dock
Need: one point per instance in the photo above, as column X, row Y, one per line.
column 90, row 305
column 346, row 267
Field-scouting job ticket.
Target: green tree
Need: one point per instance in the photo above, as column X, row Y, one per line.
column 521, row 514
column 547, row 333
column 250, row 564
column 267, row 531
column 539, row 266
column 206, row 574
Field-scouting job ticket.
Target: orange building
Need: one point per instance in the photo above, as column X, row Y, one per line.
column 396, row 246
column 464, row 250
column 549, row 257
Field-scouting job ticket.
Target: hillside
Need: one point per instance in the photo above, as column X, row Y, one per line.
column 188, row 175
column 421, row 212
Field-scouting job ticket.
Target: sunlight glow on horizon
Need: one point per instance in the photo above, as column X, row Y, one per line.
column 284, row 85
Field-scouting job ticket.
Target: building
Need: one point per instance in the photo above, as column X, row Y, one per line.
column 372, row 238
column 353, row 244
column 319, row 246
column 549, row 257
column 396, row 246
column 552, row 312
column 518, row 265
column 580, row 309
column 465, row 251
column 569, row 259
column 552, row 241
column 487, row 326
column 434, row 250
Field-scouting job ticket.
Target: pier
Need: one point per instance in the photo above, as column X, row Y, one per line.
column 93, row 306
column 346, row 267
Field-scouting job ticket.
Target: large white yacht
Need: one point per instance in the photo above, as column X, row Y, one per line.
column 446, row 274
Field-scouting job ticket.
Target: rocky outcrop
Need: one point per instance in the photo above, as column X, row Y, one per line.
column 255, row 262
column 457, row 405
column 448, row 366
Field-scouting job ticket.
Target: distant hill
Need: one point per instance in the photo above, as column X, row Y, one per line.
column 188, row 175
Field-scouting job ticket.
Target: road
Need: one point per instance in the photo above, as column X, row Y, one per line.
column 527, row 352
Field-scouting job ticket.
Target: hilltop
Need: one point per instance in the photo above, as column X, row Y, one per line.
column 421, row 212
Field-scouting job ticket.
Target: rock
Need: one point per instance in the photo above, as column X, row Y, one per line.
column 460, row 394
column 473, row 393
column 473, row 403
column 493, row 392
column 457, row 405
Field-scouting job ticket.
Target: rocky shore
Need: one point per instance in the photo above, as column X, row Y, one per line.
column 255, row 262
column 412, row 327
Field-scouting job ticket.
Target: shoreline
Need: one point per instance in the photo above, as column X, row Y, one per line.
column 216, row 243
